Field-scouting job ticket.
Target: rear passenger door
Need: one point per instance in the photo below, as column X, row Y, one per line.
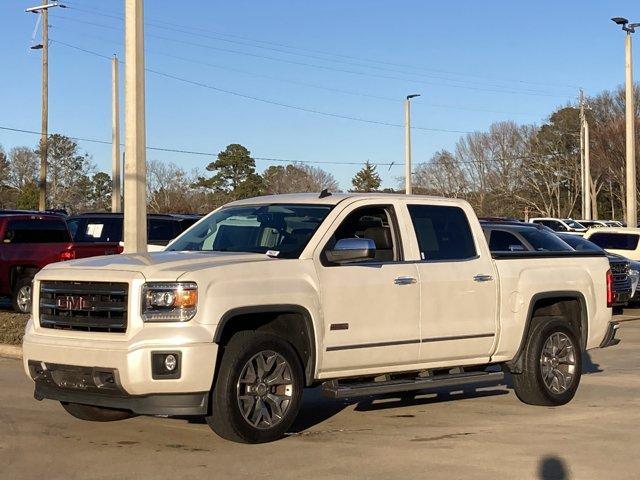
column 458, row 288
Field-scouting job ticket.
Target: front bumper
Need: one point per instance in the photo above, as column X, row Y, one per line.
column 610, row 339
column 132, row 358
column 100, row 387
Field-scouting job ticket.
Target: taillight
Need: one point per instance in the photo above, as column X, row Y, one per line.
column 67, row 255
column 609, row 288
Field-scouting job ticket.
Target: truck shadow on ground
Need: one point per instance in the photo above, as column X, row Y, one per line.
column 317, row 408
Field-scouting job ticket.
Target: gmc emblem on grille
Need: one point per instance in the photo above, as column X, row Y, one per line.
column 70, row 302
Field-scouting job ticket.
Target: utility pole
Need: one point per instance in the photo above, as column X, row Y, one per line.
column 586, row 164
column 43, row 10
column 632, row 212
column 407, row 142
column 116, row 196
column 584, row 200
column 135, row 172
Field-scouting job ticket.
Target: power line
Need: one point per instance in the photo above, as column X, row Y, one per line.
column 310, row 85
column 501, row 90
column 201, row 153
column 267, row 101
column 190, row 28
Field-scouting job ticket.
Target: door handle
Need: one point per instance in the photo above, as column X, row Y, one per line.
column 404, row 280
column 482, row 278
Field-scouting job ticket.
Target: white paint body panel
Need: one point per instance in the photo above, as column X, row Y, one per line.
column 444, row 302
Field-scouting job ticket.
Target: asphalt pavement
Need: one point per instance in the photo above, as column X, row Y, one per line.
column 485, row 434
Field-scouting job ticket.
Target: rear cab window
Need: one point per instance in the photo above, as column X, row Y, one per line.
column 96, row 229
column 443, row 232
column 502, row 241
column 36, row 230
column 615, row 241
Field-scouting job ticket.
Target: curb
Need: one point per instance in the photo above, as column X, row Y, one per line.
column 10, row 351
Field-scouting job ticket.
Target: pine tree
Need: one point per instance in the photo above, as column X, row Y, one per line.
column 367, row 179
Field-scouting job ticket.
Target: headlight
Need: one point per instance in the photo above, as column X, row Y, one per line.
column 169, row 302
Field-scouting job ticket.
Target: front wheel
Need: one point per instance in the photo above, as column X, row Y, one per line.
column 552, row 364
column 95, row 414
column 258, row 391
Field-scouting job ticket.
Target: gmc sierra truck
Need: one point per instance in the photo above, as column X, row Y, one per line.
column 361, row 294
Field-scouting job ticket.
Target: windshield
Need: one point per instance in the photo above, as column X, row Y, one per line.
column 580, row 244
column 281, row 230
column 573, row 223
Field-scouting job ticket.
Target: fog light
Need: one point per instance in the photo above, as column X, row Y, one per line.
column 170, row 362
column 165, row 365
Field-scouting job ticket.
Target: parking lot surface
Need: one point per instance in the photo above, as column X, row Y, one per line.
column 482, row 434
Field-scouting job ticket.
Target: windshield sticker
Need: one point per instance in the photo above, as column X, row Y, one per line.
column 272, row 253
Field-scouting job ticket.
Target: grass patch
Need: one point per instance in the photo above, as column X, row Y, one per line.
column 12, row 327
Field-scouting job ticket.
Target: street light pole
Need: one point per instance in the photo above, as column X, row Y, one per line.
column 43, row 10
column 407, row 143
column 135, row 174
column 632, row 212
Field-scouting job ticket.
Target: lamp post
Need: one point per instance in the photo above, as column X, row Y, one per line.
column 43, row 10
column 632, row 212
column 407, row 142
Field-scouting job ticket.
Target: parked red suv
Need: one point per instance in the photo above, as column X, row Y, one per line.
column 31, row 240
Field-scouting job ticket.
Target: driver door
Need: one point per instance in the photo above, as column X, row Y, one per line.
column 371, row 306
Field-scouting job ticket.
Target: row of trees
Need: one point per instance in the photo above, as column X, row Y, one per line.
column 511, row 167
column 502, row 171
column 72, row 179
column 75, row 185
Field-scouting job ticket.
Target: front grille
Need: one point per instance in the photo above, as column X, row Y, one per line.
column 84, row 306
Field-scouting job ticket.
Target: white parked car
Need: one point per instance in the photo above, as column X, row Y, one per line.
column 363, row 294
column 621, row 240
column 599, row 223
column 566, row 225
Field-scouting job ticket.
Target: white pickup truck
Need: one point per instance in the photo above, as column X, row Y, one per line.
column 361, row 293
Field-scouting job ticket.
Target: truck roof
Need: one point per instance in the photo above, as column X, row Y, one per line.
column 334, row 198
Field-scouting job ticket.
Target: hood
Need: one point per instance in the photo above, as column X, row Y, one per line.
column 161, row 265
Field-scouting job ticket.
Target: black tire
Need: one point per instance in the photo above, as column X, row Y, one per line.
column 95, row 414
column 227, row 418
column 530, row 386
column 23, row 284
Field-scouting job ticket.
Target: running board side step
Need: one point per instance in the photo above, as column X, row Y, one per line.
column 335, row 389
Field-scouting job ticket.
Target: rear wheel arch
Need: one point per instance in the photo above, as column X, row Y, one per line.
column 568, row 305
column 18, row 271
column 291, row 322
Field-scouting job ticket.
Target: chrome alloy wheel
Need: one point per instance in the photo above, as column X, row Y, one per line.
column 558, row 362
column 265, row 389
column 23, row 299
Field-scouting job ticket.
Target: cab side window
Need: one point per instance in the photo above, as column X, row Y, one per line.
column 502, row 241
column 443, row 232
column 375, row 223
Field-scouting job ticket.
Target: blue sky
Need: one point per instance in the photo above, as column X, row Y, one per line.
column 474, row 62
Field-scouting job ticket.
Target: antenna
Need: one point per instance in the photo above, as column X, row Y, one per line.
column 324, row 193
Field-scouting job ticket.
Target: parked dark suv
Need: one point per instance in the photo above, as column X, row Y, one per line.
column 519, row 237
column 107, row 228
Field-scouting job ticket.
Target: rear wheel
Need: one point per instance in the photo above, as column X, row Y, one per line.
column 258, row 390
column 552, row 364
column 22, row 294
column 95, row 414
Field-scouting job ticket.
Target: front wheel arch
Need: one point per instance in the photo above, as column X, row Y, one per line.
column 277, row 319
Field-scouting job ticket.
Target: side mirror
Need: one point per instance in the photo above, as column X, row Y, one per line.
column 351, row 250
